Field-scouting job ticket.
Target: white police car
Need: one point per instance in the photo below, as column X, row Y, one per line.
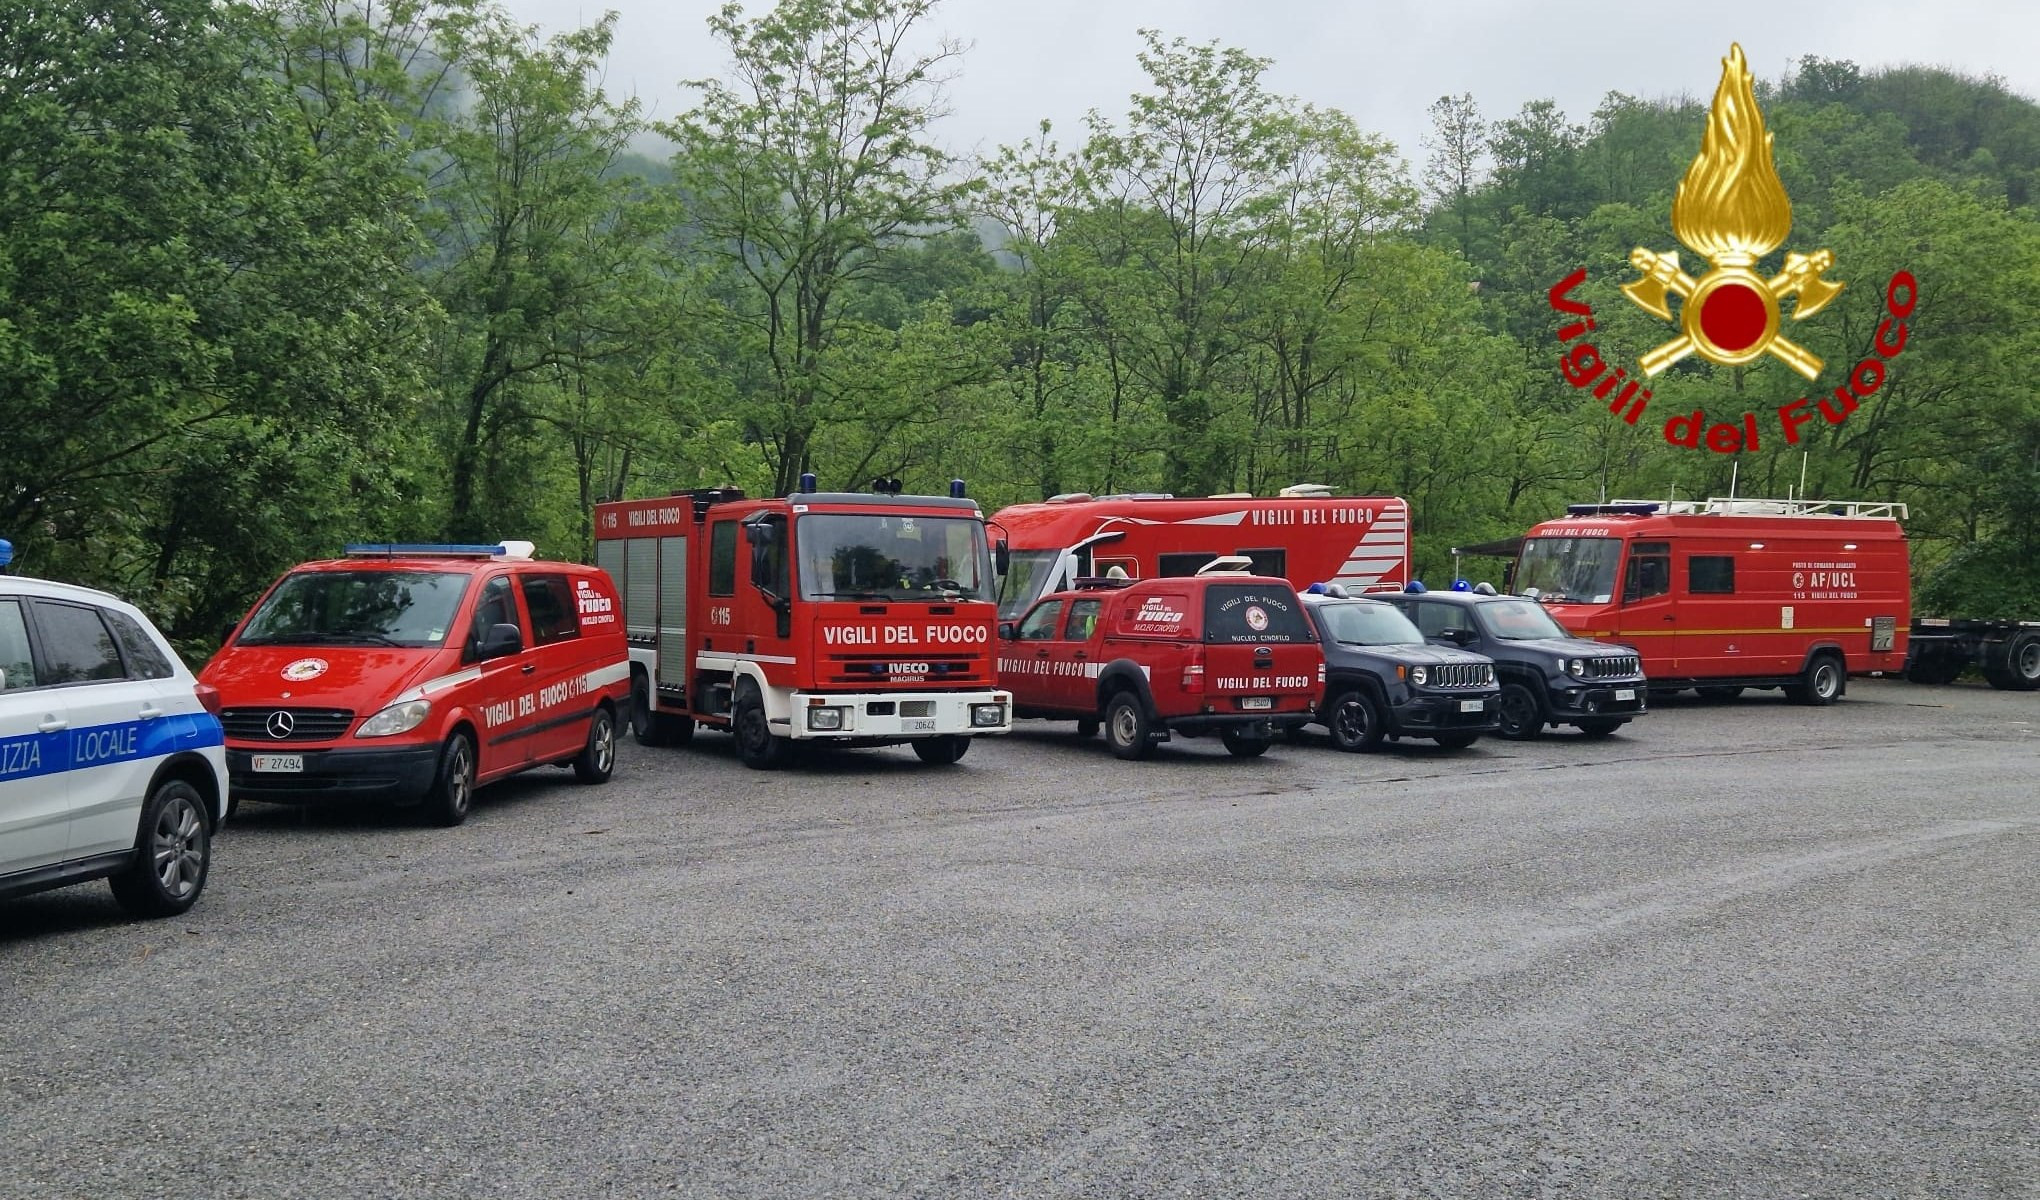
column 112, row 763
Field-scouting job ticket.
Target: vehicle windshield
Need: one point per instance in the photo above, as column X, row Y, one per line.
column 1026, row 572
column 362, row 608
column 1576, row 570
column 880, row 556
column 1367, row 623
column 1518, row 621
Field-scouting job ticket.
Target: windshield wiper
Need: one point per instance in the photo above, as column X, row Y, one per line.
column 853, row 596
column 374, row 639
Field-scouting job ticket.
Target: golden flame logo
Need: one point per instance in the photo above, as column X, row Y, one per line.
column 1731, row 209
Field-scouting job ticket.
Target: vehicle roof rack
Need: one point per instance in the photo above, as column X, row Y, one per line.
column 1099, row 583
column 1739, row 506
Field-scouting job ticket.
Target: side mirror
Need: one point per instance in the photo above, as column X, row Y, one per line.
column 501, row 640
column 1008, row 631
column 1002, row 557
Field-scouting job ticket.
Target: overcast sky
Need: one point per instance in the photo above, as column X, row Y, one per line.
column 1382, row 62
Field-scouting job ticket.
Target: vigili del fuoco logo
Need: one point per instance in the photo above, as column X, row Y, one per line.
column 1730, row 209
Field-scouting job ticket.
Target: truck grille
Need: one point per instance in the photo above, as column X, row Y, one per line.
column 863, row 670
column 304, row 724
column 1459, row 675
column 1620, row 666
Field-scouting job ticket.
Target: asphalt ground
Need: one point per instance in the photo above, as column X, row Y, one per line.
column 1740, row 950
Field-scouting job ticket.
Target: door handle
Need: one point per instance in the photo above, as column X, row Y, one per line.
column 1041, row 654
column 1670, row 617
column 52, row 724
column 1080, row 656
column 150, row 712
column 528, row 668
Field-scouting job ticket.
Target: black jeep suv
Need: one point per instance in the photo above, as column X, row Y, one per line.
column 1382, row 680
column 1548, row 676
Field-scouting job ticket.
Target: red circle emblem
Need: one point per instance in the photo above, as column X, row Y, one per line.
column 1733, row 317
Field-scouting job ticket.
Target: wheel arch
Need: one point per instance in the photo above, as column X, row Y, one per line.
column 1124, row 674
column 197, row 771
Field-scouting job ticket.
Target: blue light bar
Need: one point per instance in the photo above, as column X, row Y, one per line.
column 421, row 550
column 6, row 552
column 1612, row 510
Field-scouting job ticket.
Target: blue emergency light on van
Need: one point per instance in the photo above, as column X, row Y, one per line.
column 421, row 549
column 6, row 552
column 1415, row 587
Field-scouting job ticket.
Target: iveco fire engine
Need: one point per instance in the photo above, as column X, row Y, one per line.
column 1304, row 535
column 861, row 619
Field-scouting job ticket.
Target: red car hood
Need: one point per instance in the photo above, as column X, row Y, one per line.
column 363, row 678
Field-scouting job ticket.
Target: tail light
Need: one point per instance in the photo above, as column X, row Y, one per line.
column 1193, row 671
column 1321, row 672
column 209, row 698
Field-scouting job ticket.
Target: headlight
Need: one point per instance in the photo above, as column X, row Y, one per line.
column 397, row 718
column 1420, row 675
column 983, row 715
column 1487, row 674
column 825, row 719
column 1576, row 666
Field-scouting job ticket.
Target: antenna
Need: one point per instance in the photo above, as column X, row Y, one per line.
column 1802, row 474
column 1733, row 468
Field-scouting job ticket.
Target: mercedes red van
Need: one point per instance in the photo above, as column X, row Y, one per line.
column 414, row 674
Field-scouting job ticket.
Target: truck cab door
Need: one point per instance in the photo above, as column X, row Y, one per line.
column 1028, row 656
column 1648, row 616
column 1073, row 674
column 505, row 697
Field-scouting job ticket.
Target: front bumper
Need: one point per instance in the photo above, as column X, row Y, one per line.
column 1445, row 712
column 1253, row 724
column 394, row 773
column 899, row 716
column 1598, row 701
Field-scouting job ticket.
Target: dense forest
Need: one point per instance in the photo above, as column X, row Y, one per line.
column 280, row 274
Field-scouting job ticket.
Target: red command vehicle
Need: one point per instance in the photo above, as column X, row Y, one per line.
column 849, row 618
column 1223, row 652
column 416, row 673
column 1724, row 594
column 1305, row 535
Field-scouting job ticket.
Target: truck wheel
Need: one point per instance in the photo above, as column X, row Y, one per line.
column 1127, row 729
column 1934, row 671
column 453, row 789
column 1822, row 684
column 1087, row 728
column 1601, row 729
column 757, row 746
column 1354, row 721
column 941, row 751
column 1522, row 716
column 1717, row 694
column 598, row 758
column 650, row 726
column 1456, row 741
column 2018, row 666
column 1243, row 745
column 172, row 854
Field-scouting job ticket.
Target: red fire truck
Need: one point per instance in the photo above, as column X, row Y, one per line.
column 1304, row 535
column 1724, row 594
column 860, row 619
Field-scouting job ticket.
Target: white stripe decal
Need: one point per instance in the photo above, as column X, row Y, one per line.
column 724, row 660
column 430, row 686
column 602, row 677
column 1231, row 518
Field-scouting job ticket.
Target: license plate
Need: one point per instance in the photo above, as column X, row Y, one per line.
column 920, row 726
column 274, row 764
column 1473, row 706
column 1258, row 702
column 1625, row 693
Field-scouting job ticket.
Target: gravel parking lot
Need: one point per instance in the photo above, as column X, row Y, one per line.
column 1740, row 949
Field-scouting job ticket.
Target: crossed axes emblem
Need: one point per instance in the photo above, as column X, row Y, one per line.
column 1801, row 276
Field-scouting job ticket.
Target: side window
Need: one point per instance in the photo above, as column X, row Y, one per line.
column 1178, row 566
column 1128, row 568
column 1650, row 571
column 1083, row 620
column 496, row 607
column 776, row 576
column 1710, row 575
column 1272, row 563
column 1040, row 624
column 722, row 559
column 1433, row 620
column 77, row 647
column 14, row 656
column 551, row 605
column 144, row 659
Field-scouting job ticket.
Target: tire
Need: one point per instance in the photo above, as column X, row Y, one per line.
column 1935, row 671
column 1821, row 685
column 941, row 751
column 1719, row 694
column 1456, row 741
column 1127, row 728
column 1522, row 714
column 1087, row 728
column 2017, row 669
column 598, row 758
column 650, row 727
column 1354, row 721
column 452, row 793
column 757, row 746
column 1243, row 745
column 173, row 854
column 1597, row 730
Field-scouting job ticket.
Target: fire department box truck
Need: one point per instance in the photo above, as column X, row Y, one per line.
column 1304, row 535
column 1723, row 594
column 856, row 619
